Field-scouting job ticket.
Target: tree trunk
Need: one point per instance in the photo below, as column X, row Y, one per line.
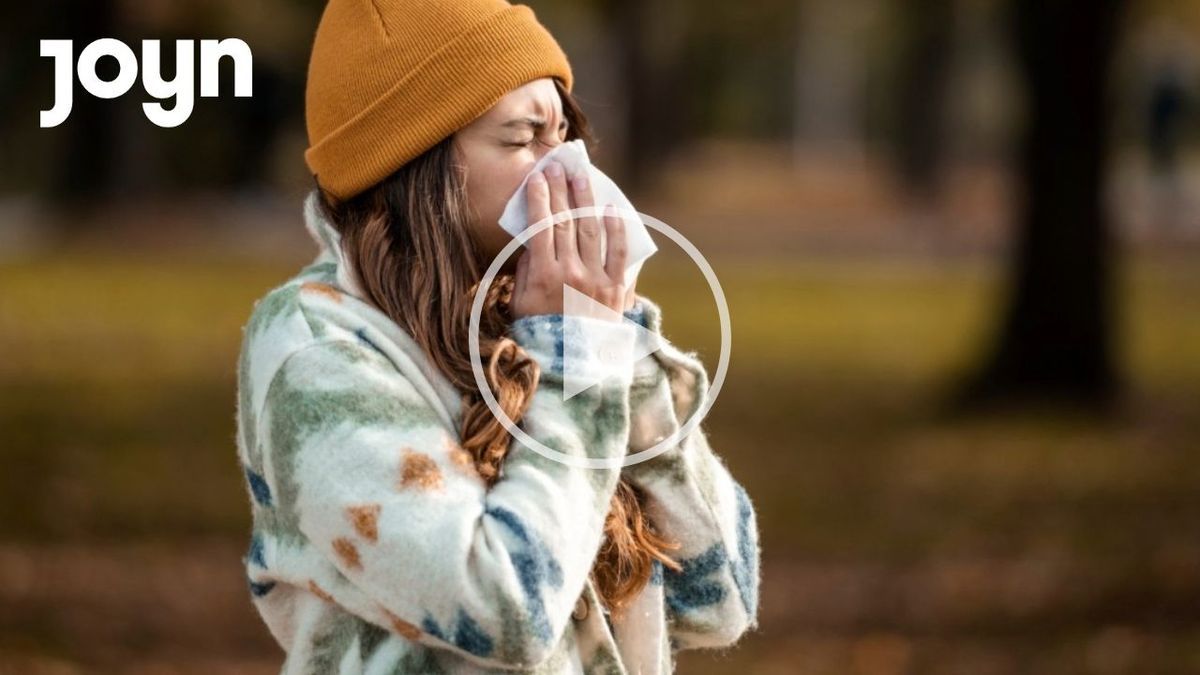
column 920, row 132
column 85, row 168
column 1055, row 341
column 647, row 34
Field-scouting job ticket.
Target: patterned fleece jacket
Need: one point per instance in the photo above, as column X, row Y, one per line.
column 377, row 548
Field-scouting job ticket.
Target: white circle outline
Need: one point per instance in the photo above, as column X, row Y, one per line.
column 594, row 462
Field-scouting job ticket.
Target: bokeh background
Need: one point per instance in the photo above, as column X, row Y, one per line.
column 960, row 242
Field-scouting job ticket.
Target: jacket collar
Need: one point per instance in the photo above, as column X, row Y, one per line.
column 329, row 244
column 327, row 238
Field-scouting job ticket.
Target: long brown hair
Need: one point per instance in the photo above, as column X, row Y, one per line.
column 408, row 239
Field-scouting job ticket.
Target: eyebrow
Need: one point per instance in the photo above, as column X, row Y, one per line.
column 537, row 123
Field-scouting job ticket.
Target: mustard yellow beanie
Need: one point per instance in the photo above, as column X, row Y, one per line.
column 389, row 79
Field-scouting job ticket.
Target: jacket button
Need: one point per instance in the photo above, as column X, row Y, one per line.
column 581, row 609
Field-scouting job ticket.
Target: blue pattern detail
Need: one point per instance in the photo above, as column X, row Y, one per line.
column 258, row 487
column 258, row 590
column 468, row 635
column 656, row 573
column 560, row 365
column 744, row 575
column 637, row 314
column 361, row 333
column 430, row 626
column 525, row 331
column 535, row 566
column 690, row 588
column 255, row 553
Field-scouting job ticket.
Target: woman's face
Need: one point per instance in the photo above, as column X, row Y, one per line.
column 499, row 149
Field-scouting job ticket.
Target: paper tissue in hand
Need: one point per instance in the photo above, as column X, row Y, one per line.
column 574, row 158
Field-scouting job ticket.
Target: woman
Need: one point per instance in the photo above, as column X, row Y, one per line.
column 397, row 527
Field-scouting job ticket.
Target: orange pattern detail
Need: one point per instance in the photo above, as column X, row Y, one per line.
column 403, row 627
column 420, row 470
column 319, row 592
column 323, row 289
column 365, row 520
column 347, row 552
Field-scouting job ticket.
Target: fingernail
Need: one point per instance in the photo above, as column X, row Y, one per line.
column 537, row 177
column 554, row 169
column 581, row 181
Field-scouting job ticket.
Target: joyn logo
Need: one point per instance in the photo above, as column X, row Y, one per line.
column 182, row 88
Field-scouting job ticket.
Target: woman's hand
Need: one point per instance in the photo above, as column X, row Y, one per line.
column 568, row 252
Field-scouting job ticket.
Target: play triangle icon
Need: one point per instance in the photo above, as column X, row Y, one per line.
column 591, row 353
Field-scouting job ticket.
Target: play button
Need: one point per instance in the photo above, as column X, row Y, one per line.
column 587, row 344
column 591, row 353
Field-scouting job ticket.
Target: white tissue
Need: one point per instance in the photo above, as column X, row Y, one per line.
column 574, row 158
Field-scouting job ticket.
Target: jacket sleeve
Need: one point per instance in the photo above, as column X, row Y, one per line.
column 691, row 498
column 366, row 473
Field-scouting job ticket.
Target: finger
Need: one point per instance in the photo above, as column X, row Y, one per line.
column 521, row 275
column 631, row 294
column 537, row 205
column 565, row 247
column 587, row 228
column 614, row 228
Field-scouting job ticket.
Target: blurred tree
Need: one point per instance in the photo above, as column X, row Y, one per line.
column 648, row 35
column 20, row 72
column 687, row 71
column 829, row 107
column 84, row 169
column 927, row 28
column 1055, row 339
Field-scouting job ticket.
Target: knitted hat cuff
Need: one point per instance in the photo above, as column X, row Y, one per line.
column 503, row 51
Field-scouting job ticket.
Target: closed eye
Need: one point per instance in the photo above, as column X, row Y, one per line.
column 538, row 126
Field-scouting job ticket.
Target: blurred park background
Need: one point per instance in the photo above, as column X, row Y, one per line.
column 960, row 241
